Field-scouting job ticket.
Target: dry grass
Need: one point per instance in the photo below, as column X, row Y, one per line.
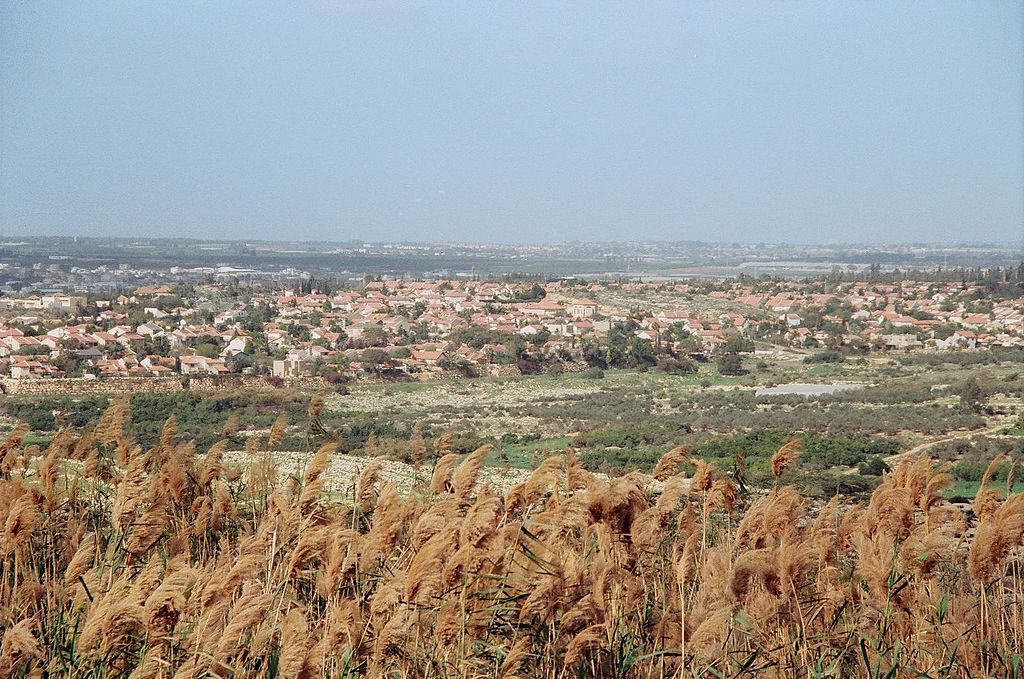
column 172, row 563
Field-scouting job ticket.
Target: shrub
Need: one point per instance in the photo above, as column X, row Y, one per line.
column 828, row 356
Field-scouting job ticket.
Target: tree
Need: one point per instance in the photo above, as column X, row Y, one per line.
column 375, row 360
column 730, row 363
column 971, row 394
column 676, row 366
column 240, row 361
column 738, row 344
column 159, row 346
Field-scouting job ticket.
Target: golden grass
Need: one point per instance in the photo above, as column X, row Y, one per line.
column 116, row 561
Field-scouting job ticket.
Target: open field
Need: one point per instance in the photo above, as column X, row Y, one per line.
column 623, row 420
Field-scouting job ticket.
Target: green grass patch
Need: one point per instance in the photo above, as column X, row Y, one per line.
column 526, row 455
column 968, row 489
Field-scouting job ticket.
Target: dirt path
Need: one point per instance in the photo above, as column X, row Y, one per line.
column 893, row 460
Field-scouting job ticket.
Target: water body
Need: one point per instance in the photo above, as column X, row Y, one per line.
column 799, row 389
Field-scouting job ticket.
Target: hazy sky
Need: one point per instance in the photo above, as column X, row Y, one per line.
column 518, row 121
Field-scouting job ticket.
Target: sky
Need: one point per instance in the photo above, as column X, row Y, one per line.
column 493, row 121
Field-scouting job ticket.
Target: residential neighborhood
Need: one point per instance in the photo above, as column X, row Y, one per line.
column 397, row 329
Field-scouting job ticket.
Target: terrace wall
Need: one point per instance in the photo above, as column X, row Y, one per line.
column 73, row 386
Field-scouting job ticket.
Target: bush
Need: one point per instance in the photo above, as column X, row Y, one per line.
column 676, row 366
column 730, row 364
column 829, row 356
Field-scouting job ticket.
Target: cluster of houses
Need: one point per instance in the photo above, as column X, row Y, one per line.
column 417, row 326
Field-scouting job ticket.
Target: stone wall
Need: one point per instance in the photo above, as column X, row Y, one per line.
column 73, row 386
column 76, row 385
column 212, row 383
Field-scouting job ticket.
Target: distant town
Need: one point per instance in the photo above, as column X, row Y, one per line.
column 88, row 324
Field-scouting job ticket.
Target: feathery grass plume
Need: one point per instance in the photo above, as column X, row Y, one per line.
column 294, row 644
column 313, row 413
column 481, row 520
column 169, row 431
column 703, row 475
column 672, row 494
column 417, row 446
column 253, row 444
column 147, row 530
column 111, row 426
column 618, row 504
column 997, row 534
column 591, row 578
column 891, row 511
column 465, row 475
column 669, row 463
column 440, row 480
column 445, row 443
column 212, row 464
column 232, row 425
column 48, row 470
column 876, row 556
column 769, row 518
column 311, row 544
column 320, row 462
column 824, row 531
column 81, row 561
column 18, row 647
column 723, row 496
column 312, row 479
column 576, row 477
column 784, row 457
column 365, row 488
column 993, row 465
column 986, row 500
column 425, row 571
column 165, row 605
column 316, row 406
column 648, row 529
column 15, row 437
column 344, row 627
column 709, row 636
column 933, row 491
column 924, row 550
column 277, row 431
column 248, row 610
column 23, row 517
column 544, row 478
column 515, row 658
column 591, row 638
column 757, row 564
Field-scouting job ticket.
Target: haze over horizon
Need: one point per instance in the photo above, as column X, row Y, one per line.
column 512, row 122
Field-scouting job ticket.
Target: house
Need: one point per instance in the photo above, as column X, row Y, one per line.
column 28, row 369
column 292, row 367
column 235, row 345
column 961, row 339
column 902, row 341
column 150, row 330
column 427, row 357
column 542, row 308
column 584, row 308
column 201, row 365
